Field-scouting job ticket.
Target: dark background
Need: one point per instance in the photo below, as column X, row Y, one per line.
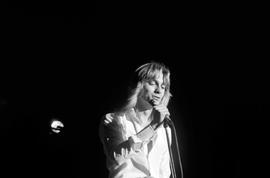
column 75, row 63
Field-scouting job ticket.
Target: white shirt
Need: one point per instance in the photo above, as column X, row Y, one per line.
column 147, row 154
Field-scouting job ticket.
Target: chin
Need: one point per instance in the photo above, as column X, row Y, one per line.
column 156, row 102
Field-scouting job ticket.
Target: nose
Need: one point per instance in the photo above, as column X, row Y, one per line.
column 158, row 90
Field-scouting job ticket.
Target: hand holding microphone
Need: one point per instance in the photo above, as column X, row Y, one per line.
column 161, row 114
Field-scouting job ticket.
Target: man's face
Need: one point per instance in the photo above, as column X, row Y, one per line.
column 153, row 90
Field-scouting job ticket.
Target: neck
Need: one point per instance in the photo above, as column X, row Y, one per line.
column 143, row 110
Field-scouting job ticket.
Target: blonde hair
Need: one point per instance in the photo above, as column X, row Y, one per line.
column 145, row 73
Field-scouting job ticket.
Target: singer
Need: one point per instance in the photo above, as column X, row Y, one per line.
column 133, row 137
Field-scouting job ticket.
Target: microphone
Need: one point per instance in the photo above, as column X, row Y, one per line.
column 167, row 120
column 167, row 117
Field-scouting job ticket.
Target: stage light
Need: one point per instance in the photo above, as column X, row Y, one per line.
column 56, row 125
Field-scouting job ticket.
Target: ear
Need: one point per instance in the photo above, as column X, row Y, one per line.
column 140, row 85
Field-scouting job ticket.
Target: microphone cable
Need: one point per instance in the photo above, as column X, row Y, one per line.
column 170, row 122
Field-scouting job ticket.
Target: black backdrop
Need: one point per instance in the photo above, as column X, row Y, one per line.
column 57, row 66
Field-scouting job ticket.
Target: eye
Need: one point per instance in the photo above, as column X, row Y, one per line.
column 152, row 82
column 163, row 86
